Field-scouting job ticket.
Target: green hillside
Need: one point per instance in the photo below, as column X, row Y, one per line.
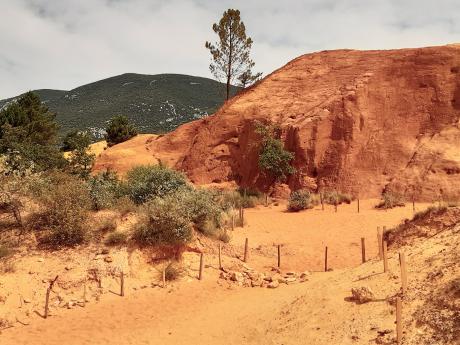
column 155, row 103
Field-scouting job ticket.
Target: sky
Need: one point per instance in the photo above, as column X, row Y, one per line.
column 62, row 44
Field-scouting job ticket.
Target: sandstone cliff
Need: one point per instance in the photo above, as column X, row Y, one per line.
column 359, row 121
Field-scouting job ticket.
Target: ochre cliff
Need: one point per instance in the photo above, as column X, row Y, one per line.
column 358, row 121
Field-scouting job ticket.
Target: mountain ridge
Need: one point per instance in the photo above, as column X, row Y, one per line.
column 155, row 103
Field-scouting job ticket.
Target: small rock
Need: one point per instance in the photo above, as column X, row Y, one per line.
column 40, row 260
column 105, row 251
column 68, row 268
column 26, row 300
column 290, row 280
column 273, row 285
column 362, row 294
column 237, row 277
column 108, row 259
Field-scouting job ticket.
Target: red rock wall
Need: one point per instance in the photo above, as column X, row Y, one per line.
column 355, row 120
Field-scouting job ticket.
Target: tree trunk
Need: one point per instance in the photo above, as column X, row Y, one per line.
column 228, row 88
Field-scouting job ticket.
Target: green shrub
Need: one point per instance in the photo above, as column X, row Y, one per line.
column 104, row 188
column 119, row 130
column 146, row 182
column 66, row 203
column 391, row 200
column 163, row 222
column 76, row 140
column 300, row 200
column 116, row 238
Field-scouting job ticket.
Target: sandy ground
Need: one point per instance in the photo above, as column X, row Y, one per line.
column 214, row 311
column 304, row 235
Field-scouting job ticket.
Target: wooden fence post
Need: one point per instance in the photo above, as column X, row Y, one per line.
column 385, row 259
column 402, row 263
column 325, row 260
column 122, row 284
column 47, row 300
column 322, row 201
column 246, row 245
column 335, row 206
column 358, row 205
column 84, row 294
column 399, row 328
column 413, row 204
column 363, row 250
column 220, row 256
column 380, row 242
column 200, row 275
column 279, row 256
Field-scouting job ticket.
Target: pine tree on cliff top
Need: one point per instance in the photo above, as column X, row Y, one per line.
column 231, row 53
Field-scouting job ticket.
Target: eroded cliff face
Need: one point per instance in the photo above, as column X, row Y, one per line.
column 358, row 121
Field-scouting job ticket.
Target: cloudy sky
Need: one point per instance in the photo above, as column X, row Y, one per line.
column 62, row 44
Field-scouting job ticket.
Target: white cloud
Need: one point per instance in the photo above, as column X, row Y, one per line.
column 66, row 43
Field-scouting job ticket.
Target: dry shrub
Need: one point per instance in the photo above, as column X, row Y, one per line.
column 173, row 271
column 106, row 225
column 300, row 200
column 125, row 206
column 5, row 251
column 390, row 200
column 336, row 198
column 224, row 236
column 116, row 238
column 66, row 203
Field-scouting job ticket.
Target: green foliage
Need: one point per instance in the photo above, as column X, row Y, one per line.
column 273, row 158
column 76, row 140
column 163, row 222
column 231, row 53
column 137, row 95
column 391, row 200
column 146, row 182
column 28, row 134
column 116, row 238
column 119, row 130
column 300, row 200
column 81, row 162
column 105, row 188
column 66, row 202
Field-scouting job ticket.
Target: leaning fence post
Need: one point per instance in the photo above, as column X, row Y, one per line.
column 402, row 263
column 48, row 291
column 385, row 259
column 363, row 250
column 122, row 284
column 200, row 275
column 325, row 259
column 399, row 327
column 246, row 248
